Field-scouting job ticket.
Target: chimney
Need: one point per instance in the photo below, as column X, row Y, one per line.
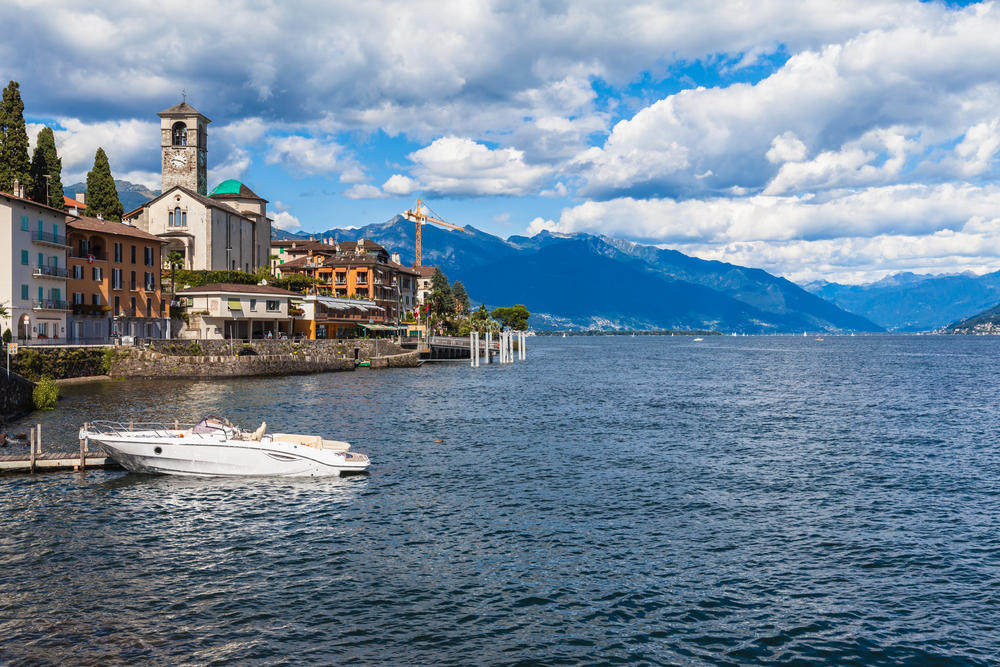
column 17, row 188
column 396, row 258
column 81, row 197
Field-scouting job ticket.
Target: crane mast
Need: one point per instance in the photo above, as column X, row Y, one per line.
column 421, row 218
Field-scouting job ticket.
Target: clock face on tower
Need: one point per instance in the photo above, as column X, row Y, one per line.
column 178, row 160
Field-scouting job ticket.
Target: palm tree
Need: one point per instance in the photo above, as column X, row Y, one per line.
column 175, row 258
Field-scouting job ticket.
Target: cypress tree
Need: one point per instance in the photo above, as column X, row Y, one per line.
column 102, row 197
column 461, row 296
column 46, row 162
column 14, row 163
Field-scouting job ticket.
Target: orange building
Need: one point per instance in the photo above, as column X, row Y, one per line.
column 114, row 281
column 361, row 270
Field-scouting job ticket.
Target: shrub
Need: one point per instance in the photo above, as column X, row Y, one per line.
column 7, row 336
column 45, row 394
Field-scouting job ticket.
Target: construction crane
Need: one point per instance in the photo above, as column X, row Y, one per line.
column 421, row 218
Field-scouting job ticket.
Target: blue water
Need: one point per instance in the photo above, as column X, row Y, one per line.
column 611, row 500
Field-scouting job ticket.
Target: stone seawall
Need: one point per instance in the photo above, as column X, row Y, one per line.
column 214, row 359
column 15, row 396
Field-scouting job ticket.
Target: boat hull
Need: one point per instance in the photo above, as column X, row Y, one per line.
column 208, row 457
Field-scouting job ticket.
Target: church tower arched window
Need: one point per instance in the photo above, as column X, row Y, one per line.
column 179, row 134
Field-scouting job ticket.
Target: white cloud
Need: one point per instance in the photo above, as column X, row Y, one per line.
column 312, row 156
column 877, row 108
column 131, row 146
column 399, row 185
column 287, row 221
column 364, row 191
column 461, row 167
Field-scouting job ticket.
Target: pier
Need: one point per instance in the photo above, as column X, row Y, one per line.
column 38, row 460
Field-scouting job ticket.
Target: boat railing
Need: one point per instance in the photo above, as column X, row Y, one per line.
column 150, row 429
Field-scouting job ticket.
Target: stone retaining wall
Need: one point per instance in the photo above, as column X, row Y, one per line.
column 270, row 358
column 15, row 396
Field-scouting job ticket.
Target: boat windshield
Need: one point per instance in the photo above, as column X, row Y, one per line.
column 210, row 424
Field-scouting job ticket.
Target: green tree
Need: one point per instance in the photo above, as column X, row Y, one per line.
column 14, row 163
column 461, row 297
column 45, row 394
column 46, row 162
column 102, row 197
column 514, row 317
column 442, row 300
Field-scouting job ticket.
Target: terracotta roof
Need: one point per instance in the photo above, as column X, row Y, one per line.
column 86, row 224
column 403, row 269
column 182, row 109
column 69, row 202
column 207, row 201
column 242, row 289
column 425, row 271
column 31, row 201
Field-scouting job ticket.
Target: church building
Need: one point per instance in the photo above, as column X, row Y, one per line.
column 225, row 229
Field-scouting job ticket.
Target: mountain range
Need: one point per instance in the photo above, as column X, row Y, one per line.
column 131, row 195
column 911, row 302
column 586, row 281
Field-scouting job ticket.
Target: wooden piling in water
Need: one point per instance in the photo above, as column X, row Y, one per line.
column 31, row 444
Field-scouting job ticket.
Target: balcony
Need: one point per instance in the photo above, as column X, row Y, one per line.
column 51, row 304
column 90, row 309
column 46, row 238
column 90, row 257
column 50, row 272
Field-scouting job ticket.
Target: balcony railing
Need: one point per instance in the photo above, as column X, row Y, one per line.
column 90, row 256
column 52, row 271
column 90, row 309
column 46, row 237
column 51, row 304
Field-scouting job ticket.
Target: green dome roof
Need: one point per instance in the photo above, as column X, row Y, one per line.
column 233, row 188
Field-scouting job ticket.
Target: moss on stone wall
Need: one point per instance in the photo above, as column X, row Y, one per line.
column 58, row 363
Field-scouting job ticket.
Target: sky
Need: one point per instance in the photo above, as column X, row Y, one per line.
column 818, row 140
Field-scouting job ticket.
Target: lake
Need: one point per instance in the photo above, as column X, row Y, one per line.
column 611, row 500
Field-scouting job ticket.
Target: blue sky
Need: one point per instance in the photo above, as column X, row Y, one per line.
column 841, row 141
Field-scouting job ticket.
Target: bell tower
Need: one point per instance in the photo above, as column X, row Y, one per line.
column 184, row 148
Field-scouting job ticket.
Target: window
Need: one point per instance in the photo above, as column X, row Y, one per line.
column 184, row 219
column 281, row 251
column 273, row 305
column 133, row 254
column 118, row 252
column 54, row 261
column 132, row 283
column 55, row 231
column 148, row 281
column 116, row 280
column 77, row 272
column 95, row 299
column 97, row 273
column 147, row 256
column 132, row 309
column 253, row 304
column 24, row 292
column 117, row 305
column 56, row 294
column 149, row 307
column 178, row 134
column 43, row 329
column 24, row 257
column 170, row 219
column 77, row 298
column 24, row 223
column 41, row 259
column 41, row 294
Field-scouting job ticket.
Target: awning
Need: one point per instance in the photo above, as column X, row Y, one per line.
column 377, row 327
column 334, row 303
column 235, row 304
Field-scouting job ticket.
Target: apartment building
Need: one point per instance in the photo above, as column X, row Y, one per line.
column 33, row 275
column 114, row 281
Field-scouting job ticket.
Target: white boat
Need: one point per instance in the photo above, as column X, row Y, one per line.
column 698, row 340
column 216, row 448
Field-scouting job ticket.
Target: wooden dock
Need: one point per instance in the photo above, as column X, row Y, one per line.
column 37, row 460
column 52, row 461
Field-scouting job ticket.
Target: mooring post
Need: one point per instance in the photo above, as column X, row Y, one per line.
column 477, row 349
column 38, row 439
column 83, row 450
column 31, row 443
